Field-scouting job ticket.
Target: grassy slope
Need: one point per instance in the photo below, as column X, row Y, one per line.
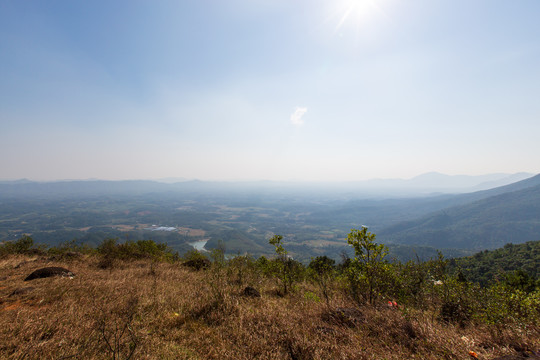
column 174, row 313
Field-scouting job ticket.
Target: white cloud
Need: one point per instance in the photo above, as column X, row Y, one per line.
column 296, row 116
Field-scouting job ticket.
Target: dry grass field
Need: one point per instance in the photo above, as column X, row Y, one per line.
column 148, row 310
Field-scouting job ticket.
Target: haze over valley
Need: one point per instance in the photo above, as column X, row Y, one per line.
column 313, row 218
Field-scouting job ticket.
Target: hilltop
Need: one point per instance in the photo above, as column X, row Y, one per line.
column 137, row 300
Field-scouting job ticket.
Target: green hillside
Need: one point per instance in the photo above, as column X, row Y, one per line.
column 487, row 266
column 511, row 217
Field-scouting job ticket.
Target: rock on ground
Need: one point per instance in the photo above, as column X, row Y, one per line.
column 48, row 272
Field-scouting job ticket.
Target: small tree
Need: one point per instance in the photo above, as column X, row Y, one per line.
column 286, row 269
column 276, row 241
column 322, row 270
column 368, row 266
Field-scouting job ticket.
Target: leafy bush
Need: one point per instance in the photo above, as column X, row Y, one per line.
column 24, row 245
column 243, row 269
column 419, row 284
column 68, row 247
column 284, row 268
column 368, row 271
column 504, row 305
column 322, row 271
column 110, row 248
column 196, row 260
column 193, row 255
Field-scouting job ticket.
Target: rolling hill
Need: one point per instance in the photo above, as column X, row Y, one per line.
column 492, row 218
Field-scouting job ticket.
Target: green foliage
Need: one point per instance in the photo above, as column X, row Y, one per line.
column 309, row 296
column 263, row 264
column 218, row 255
column 412, row 283
column 322, row 265
column 24, row 245
column 416, row 283
column 194, row 255
column 140, row 249
column 284, row 268
column 243, row 269
column 487, row 266
column 70, row 246
column 368, row 270
column 196, row 260
column 276, row 241
column 520, row 280
column 322, row 271
column 459, row 299
column 504, row 305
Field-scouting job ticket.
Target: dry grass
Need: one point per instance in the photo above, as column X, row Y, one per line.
column 165, row 311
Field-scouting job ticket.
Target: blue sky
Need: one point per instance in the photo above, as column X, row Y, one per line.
column 319, row 90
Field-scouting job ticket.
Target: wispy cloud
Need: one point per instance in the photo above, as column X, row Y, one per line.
column 296, row 116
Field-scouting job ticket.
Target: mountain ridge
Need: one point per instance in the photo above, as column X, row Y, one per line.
column 429, row 184
column 489, row 219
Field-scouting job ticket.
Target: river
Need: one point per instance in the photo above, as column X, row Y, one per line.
column 199, row 245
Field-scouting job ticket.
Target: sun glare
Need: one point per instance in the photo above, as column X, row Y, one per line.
column 355, row 12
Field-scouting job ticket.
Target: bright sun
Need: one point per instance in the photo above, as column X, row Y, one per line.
column 355, row 12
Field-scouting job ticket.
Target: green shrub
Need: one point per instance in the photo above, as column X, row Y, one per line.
column 284, row 268
column 24, row 245
column 129, row 250
column 460, row 300
column 193, row 255
column 69, row 247
column 322, row 270
column 520, row 280
column 367, row 272
column 242, row 269
column 505, row 305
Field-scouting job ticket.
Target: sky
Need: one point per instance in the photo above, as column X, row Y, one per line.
column 303, row 90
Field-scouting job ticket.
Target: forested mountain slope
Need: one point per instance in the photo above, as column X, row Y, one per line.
column 486, row 266
column 512, row 216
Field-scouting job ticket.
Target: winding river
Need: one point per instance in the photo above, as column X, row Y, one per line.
column 199, row 245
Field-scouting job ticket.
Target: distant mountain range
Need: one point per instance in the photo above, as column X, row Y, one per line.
column 422, row 185
column 485, row 219
column 437, row 182
column 429, row 210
